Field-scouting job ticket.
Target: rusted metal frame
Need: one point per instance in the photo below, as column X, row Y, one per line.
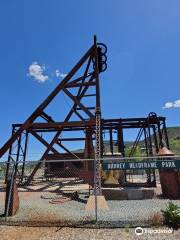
column 59, row 125
column 79, row 115
column 111, row 140
column 147, row 154
column 74, row 82
column 73, row 139
column 43, row 156
column 145, row 141
column 90, row 95
column 98, row 132
column 24, row 154
column 115, row 123
column 46, row 117
column 78, row 103
column 85, row 75
column 18, row 153
column 125, row 126
column 18, row 148
column 21, row 148
column 136, row 120
column 161, row 144
column 89, row 108
column 81, row 127
column 102, row 141
column 79, row 79
column 150, row 150
column 71, row 111
column 44, row 104
column 150, row 141
column 83, row 80
column 165, row 133
column 62, row 146
column 81, row 85
column 155, row 138
column 7, row 202
column 14, row 163
column 42, row 140
column 80, row 91
column 80, row 96
column 55, row 139
column 78, row 128
column 9, row 157
column 136, row 142
column 120, row 140
column 80, row 88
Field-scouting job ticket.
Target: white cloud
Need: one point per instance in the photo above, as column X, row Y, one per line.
column 174, row 104
column 60, row 74
column 57, row 73
column 37, row 72
column 168, row 105
column 177, row 103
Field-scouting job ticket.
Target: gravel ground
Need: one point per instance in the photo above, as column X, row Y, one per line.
column 121, row 213
column 64, row 233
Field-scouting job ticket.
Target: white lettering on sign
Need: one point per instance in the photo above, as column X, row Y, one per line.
column 153, row 165
column 131, row 165
column 142, row 165
column 109, row 166
column 170, row 164
column 122, row 165
column 116, row 166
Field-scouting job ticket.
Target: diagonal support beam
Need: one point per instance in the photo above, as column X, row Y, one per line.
column 46, row 117
column 55, row 139
column 45, row 103
column 77, row 80
column 83, row 78
column 76, row 100
column 43, row 141
column 63, row 147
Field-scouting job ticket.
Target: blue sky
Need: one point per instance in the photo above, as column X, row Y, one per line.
column 143, row 39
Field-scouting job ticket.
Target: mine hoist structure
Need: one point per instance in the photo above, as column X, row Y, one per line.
column 92, row 63
column 80, row 84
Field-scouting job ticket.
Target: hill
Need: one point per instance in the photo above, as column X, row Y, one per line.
column 174, row 139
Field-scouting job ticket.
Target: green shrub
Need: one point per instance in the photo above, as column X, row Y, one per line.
column 172, row 215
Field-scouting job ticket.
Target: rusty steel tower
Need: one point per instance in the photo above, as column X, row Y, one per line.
column 82, row 87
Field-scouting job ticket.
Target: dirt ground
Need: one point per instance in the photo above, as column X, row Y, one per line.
column 64, row 233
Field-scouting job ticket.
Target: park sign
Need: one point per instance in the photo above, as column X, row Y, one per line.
column 155, row 164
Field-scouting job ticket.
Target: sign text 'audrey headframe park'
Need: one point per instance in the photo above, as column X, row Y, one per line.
column 158, row 164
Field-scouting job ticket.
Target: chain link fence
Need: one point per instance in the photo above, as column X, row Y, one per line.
column 59, row 192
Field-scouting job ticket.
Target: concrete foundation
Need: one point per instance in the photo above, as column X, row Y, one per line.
column 101, row 203
column 128, row 193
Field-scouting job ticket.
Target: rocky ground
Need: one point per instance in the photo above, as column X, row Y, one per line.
column 134, row 213
column 65, row 233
